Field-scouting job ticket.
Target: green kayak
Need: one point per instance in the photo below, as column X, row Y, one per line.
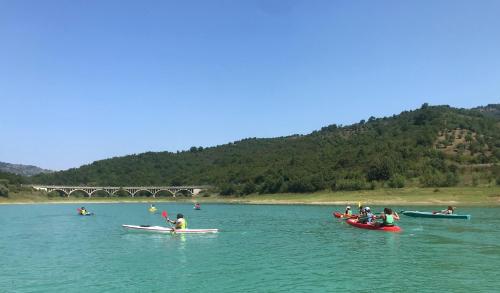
column 434, row 215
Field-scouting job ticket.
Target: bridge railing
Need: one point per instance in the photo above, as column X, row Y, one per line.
column 111, row 190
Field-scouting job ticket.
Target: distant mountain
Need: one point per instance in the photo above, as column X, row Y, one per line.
column 429, row 146
column 24, row 170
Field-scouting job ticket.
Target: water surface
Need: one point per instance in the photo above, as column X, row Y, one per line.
column 260, row 248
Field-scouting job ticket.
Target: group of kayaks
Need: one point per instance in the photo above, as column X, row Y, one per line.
column 353, row 219
column 156, row 229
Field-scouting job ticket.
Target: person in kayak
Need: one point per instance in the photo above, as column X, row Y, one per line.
column 152, row 208
column 197, row 206
column 83, row 211
column 180, row 223
column 348, row 211
column 367, row 217
column 388, row 217
column 448, row 211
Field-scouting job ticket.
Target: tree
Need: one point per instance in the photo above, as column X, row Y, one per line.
column 397, row 181
column 4, row 191
column 380, row 170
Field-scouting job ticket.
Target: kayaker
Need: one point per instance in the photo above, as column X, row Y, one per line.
column 83, row 211
column 367, row 217
column 448, row 211
column 180, row 223
column 152, row 208
column 388, row 217
column 348, row 211
column 197, row 206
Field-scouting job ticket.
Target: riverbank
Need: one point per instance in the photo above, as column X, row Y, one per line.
column 470, row 196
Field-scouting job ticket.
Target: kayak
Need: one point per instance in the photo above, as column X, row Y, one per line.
column 354, row 222
column 87, row 214
column 341, row 215
column 152, row 210
column 161, row 229
column 434, row 215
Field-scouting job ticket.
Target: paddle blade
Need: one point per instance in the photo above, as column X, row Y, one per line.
column 164, row 214
column 79, row 209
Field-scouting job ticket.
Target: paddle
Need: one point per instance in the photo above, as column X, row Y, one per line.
column 165, row 215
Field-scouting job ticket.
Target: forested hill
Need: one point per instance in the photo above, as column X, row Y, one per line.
column 431, row 146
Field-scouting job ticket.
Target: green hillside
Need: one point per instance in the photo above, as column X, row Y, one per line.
column 432, row 146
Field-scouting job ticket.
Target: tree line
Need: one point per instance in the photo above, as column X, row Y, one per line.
column 396, row 151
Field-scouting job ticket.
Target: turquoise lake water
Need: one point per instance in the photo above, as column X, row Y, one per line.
column 260, row 248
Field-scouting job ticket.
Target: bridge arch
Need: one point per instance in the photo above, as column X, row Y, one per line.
column 116, row 191
column 147, row 190
column 169, row 191
column 84, row 191
column 187, row 191
column 94, row 191
column 58, row 189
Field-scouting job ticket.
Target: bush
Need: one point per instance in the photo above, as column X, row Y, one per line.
column 397, row 181
column 228, row 189
column 438, row 179
column 249, row 188
column 4, row 191
column 300, row 185
column 379, row 171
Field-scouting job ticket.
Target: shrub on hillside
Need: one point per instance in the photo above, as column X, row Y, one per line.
column 396, row 181
column 4, row 191
column 439, row 179
column 249, row 188
column 228, row 189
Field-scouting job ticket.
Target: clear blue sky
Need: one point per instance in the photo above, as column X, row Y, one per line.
column 87, row 80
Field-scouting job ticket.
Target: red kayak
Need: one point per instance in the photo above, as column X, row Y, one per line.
column 340, row 215
column 354, row 222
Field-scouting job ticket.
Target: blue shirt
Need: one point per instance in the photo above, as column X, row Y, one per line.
column 370, row 217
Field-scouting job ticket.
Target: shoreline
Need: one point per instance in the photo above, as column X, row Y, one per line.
column 458, row 196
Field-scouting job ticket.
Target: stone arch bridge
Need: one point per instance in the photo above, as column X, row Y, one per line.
column 112, row 190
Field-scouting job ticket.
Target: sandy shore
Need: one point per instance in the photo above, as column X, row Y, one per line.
column 264, row 202
column 457, row 196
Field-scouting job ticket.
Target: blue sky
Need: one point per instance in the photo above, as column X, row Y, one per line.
column 87, row 80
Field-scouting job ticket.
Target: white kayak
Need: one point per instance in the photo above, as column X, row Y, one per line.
column 161, row 229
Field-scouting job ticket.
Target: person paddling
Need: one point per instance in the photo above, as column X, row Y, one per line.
column 197, row 206
column 388, row 217
column 448, row 211
column 83, row 211
column 367, row 217
column 180, row 223
column 348, row 212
